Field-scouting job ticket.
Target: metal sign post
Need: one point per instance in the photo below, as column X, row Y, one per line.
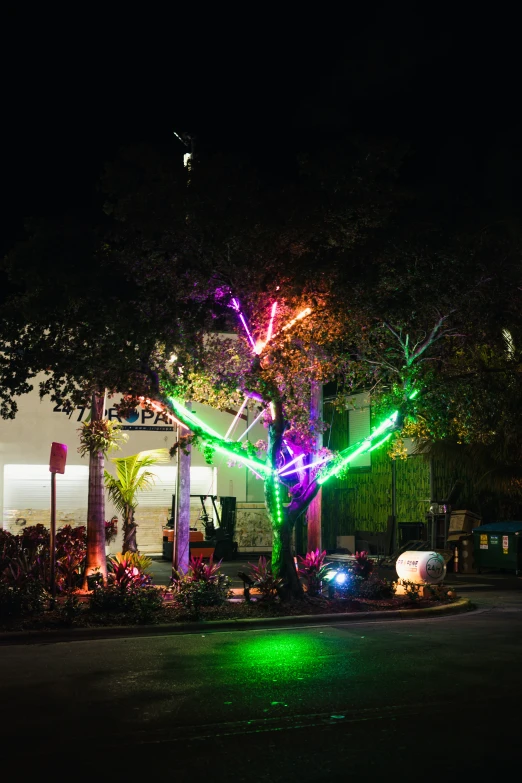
column 56, row 465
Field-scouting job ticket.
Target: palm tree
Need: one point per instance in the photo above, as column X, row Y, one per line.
column 98, row 436
column 131, row 478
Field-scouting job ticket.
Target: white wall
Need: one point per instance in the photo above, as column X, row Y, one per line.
column 26, row 440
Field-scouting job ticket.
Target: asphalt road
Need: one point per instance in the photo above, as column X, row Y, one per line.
column 415, row 699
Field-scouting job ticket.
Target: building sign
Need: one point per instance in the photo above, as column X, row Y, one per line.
column 137, row 420
column 483, row 541
column 494, row 540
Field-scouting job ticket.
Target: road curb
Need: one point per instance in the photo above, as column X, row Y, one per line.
column 247, row 624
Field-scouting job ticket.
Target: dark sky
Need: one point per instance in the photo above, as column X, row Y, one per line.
column 78, row 88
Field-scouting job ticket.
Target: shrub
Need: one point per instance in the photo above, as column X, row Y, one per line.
column 140, row 603
column 34, row 540
column 146, row 603
column 9, row 548
column 440, row 592
column 69, row 609
column 363, row 566
column 202, row 585
column 194, row 595
column 27, row 556
column 375, row 589
column 19, row 600
column 412, row 591
column 313, row 569
column 23, row 569
column 71, row 550
column 199, row 571
column 264, row 580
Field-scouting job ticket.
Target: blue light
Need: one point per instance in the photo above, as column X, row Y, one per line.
column 340, row 578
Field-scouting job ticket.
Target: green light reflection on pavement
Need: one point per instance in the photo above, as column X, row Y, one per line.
column 290, row 656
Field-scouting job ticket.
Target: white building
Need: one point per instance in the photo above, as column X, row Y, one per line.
column 25, row 445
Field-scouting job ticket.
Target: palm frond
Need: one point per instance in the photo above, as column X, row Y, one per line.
column 132, row 476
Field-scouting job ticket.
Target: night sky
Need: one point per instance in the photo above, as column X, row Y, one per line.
column 77, row 89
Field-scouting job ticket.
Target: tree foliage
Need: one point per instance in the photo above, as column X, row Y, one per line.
column 402, row 295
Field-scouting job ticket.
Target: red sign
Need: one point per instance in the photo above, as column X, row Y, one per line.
column 58, row 458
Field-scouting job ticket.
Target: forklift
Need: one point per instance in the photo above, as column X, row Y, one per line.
column 217, row 541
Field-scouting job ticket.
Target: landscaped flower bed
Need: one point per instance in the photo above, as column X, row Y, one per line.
column 203, row 593
column 84, row 616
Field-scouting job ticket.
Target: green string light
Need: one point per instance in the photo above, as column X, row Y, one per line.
column 256, row 465
column 362, row 447
column 215, row 441
column 278, row 505
column 380, row 443
column 191, row 417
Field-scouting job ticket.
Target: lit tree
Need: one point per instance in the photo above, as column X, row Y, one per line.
column 271, row 366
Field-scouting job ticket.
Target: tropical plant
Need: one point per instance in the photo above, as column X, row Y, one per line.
column 265, row 581
column 363, row 565
column 132, row 477
column 128, row 570
column 98, row 437
column 8, row 548
column 313, row 570
column 71, row 550
column 203, row 585
column 200, row 571
column 25, row 568
column 111, row 530
column 25, row 556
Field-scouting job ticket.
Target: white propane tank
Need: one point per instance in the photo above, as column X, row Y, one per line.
column 426, row 568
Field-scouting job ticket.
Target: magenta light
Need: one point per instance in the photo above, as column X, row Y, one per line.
column 247, row 330
column 288, row 447
column 303, row 467
column 285, row 467
column 237, row 307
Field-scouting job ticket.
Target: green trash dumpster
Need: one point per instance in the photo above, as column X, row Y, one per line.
column 498, row 546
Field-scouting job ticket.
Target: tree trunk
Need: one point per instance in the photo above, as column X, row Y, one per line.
column 314, row 537
column 182, row 535
column 283, row 564
column 129, row 532
column 96, row 561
